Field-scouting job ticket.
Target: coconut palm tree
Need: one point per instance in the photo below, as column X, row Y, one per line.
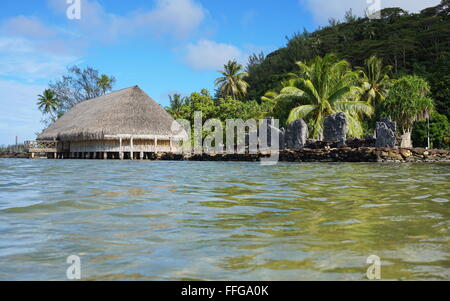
column 407, row 103
column 232, row 82
column 375, row 80
column 324, row 87
column 47, row 103
column 176, row 105
column 105, row 83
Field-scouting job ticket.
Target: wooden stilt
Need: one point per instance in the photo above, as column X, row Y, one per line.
column 131, row 149
column 121, row 150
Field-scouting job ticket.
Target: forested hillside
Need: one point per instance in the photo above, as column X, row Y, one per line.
column 411, row 43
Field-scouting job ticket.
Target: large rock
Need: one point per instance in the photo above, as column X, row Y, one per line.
column 392, row 125
column 296, row 135
column 335, row 128
column 386, row 131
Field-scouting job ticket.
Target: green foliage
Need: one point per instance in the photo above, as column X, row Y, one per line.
column 408, row 102
column 439, row 132
column 375, row 81
column 400, row 39
column 105, row 83
column 323, row 87
column 48, row 103
column 416, row 44
column 76, row 86
column 220, row 108
column 176, row 105
column 440, row 89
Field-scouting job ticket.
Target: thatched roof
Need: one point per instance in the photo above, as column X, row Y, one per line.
column 126, row 112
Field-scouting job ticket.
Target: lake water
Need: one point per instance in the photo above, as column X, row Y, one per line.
column 135, row 220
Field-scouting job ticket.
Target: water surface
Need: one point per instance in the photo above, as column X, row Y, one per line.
column 136, row 220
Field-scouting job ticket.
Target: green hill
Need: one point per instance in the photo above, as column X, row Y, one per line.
column 412, row 43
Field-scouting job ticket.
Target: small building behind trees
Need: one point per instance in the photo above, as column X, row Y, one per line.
column 127, row 124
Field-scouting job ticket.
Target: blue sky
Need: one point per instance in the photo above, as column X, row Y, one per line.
column 164, row 46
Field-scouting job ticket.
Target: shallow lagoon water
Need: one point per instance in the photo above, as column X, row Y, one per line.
column 136, row 220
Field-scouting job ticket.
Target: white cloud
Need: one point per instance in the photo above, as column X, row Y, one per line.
column 210, row 55
column 19, row 113
column 325, row 9
column 33, row 59
column 27, row 27
column 175, row 18
column 31, row 50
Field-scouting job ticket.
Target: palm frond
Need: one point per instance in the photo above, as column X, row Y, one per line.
column 301, row 112
column 355, row 128
column 354, row 107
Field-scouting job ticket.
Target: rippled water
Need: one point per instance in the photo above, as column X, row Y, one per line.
column 223, row 221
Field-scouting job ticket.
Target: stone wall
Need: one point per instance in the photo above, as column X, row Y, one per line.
column 352, row 143
column 5, row 155
column 343, row 154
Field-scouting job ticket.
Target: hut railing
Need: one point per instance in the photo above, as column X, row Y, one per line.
column 41, row 146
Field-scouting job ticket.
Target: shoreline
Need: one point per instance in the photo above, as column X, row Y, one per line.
column 344, row 154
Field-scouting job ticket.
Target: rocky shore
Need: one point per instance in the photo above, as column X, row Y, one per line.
column 8, row 155
column 326, row 154
column 344, row 154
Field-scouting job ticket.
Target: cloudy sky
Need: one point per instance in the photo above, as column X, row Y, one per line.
column 164, row 46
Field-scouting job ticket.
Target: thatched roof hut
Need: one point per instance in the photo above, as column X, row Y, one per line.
column 126, row 112
column 122, row 116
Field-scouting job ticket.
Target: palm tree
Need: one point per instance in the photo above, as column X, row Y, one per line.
column 176, row 105
column 232, row 82
column 324, row 87
column 375, row 81
column 47, row 103
column 105, row 83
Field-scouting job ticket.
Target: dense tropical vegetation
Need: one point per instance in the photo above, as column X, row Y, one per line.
column 324, row 87
column 365, row 67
